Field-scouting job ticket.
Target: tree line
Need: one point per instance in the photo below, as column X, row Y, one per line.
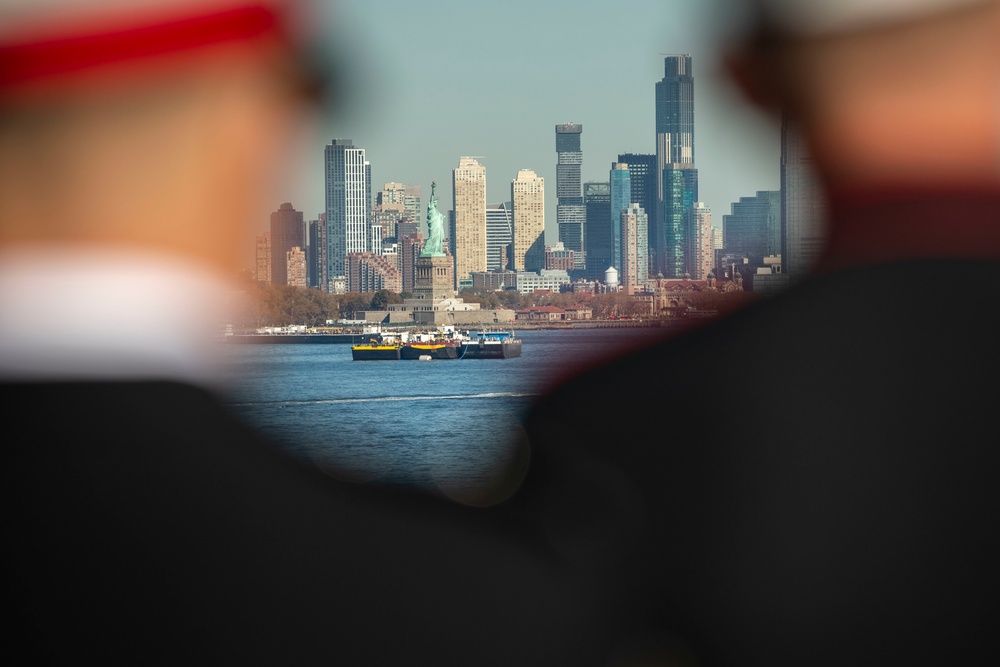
column 279, row 305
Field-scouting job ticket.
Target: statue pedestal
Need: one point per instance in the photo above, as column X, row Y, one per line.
column 433, row 279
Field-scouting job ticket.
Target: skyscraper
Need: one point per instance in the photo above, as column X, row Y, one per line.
column 411, row 242
column 803, row 209
column 527, row 194
column 621, row 197
column 676, row 210
column 703, row 244
column 677, row 178
column 389, row 208
column 570, row 212
column 753, row 229
column 642, row 174
column 316, row 256
column 635, row 269
column 348, row 197
column 402, row 199
column 499, row 235
column 469, row 206
column 412, row 203
column 386, row 219
column 675, row 112
column 287, row 231
column 262, row 271
column 597, row 236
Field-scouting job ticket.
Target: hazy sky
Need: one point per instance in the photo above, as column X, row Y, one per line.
column 429, row 81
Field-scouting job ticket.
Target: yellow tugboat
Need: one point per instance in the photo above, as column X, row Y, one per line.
column 374, row 350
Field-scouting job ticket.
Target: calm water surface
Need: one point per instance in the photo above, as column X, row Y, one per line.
column 430, row 424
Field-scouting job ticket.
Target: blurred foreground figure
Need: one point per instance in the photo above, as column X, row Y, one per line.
column 143, row 525
column 812, row 479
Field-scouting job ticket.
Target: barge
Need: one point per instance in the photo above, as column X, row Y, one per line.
column 489, row 345
column 375, row 350
column 446, row 343
column 432, row 349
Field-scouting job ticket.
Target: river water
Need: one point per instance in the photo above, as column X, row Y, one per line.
column 435, row 425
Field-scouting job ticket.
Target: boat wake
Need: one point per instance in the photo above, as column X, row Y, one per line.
column 386, row 399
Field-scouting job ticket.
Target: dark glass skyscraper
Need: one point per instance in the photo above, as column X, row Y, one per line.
column 316, row 253
column 803, row 210
column 677, row 178
column 570, row 212
column 753, row 229
column 680, row 192
column 621, row 197
column 642, row 170
column 597, row 235
column 675, row 112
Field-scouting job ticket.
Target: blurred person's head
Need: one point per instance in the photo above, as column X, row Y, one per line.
column 153, row 125
column 895, row 92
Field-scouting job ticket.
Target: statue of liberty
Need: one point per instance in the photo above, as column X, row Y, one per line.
column 435, row 228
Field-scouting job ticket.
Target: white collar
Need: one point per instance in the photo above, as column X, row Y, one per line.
column 72, row 313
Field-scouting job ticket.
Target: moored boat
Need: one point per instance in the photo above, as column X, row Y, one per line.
column 489, row 345
column 432, row 349
column 374, row 350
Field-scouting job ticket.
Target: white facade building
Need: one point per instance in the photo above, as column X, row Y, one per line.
column 527, row 193
column 552, row 280
column 348, row 194
column 469, row 206
column 703, row 242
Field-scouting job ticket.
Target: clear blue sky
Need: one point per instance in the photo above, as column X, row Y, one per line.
column 432, row 80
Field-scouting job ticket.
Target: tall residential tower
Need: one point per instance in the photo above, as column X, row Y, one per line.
column 570, row 212
column 469, row 210
column 634, row 271
column 287, row 232
column 348, row 199
column 527, row 194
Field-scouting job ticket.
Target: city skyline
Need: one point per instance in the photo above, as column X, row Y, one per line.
column 430, row 83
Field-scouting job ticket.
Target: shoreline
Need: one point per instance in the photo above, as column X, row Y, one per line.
column 358, row 336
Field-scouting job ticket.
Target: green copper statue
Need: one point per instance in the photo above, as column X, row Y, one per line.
column 435, row 228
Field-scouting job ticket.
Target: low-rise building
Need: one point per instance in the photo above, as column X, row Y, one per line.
column 580, row 313
column 494, row 280
column 559, row 258
column 552, row 280
column 541, row 314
